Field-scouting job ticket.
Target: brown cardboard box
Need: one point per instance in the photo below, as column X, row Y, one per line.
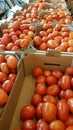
column 52, row 60
column 6, row 113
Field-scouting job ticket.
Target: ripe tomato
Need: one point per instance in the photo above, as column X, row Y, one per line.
column 69, row 127
column 62, row 110
column 42, row 125
column 39, row 110
column 2, row 58
column 28, row 125
column 36, row 98
column 40, row 79
column 37, row 71
column 12, row 62
column 69, row 70
column 70, row 104
column 7, row 86
column 49, row 111
column 65, row 82
column 41, row 89
column 68, row 94
column 56, row 125
column 52, row 44
column 62, row 94
column 69, row 120
column 57, row 73
column 51, row 79
column 16, row 25
column 53, row 90
column 3, row 77
column 47, row 72
column 12, row 76
column 5, row 39
column 4, row 68
column 37, row 40
column 50, row 98
column 3, row 97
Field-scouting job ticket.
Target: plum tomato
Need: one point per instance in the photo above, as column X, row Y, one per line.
column 42, row 125
column 28, row 125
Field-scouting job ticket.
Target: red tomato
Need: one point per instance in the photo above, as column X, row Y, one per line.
column 69, row 120
column 57, row 73
column 4, row 68
column 69, row 127
column 56, row 125
column 62, row 110
column 69, row 70
column 12, row 76
column 72, row 82
column 50, row 98
column 49, row 111
column 12, row 62
column 62, row 94
column 16, row 25
column 68, row 94
column 2, row 58
column 51, row 79
column 41, row 89
column 42, row 125
column 37, row 71
column 37, row 40
column 65, row 82
column 39, row 110
column 28, row 125
column 47, row 72
column 3, row 97
column 27, row 112
column 53, row 90
column 7, row 86
column 5, row 39
column 3, row 77
column 40, row 79
column 52, row 44
column 36, row 98
column 70, row 104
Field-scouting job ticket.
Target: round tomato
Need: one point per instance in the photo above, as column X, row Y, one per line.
column 51, row 79
column 42, row 125
column 57, row 73
column 3, row 97
column 50, row 98
column 37, row 71
column 69, row 70
column 4, row 68
column 3, row 77
column 7, row 85
column 40, row 79
column 28, row 125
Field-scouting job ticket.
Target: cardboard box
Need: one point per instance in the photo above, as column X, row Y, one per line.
column 52, row 60
column 6, row 113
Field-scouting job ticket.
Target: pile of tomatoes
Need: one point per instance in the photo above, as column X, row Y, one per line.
column 57, row 37
column 51, row 105
column 8, row 72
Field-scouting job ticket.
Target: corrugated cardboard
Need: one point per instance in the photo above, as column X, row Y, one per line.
column 46, row 61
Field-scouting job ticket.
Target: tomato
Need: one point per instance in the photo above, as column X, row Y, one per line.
column 62, row 94
column 7, row 86
column 4, row 68
column 72, row 82
column 40, row 79
column 53, row 90
column 14, row 38
column 70, row 104
column 56, row 125
column 65, row 82
column 46, row 26
column 69, row 127
column 42, row 33
column 69, row 70
column 42, row 125
column 68, row 94
column 3, row 97
column 37, row 71
column 57, row 73
column 52, row 44
column 71, row 35
column 27, row 112
column 39, row 110
column 41, row 89
column 51, row 79
column 36, row 98
column 2, row 58
column 28, row 125
column 3, row 77
column 62, row 110
column 5, row 39
column 37, row 40
column 12, row 76
column 69, row 120
column 50, row 98
column 49, row 111
column 43, row 46
column 12, row 62
column 47, row 72
column 9, row 46
column 16, row 25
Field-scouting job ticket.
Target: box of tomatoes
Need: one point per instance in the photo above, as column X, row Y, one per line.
column 10, row 73
column 46, row 93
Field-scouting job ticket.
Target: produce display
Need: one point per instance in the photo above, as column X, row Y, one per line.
column 8, row 73
column 51, row 105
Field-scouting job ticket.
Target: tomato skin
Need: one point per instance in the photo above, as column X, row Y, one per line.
column 69, row 120
column 69, row 127
column 41, row 89
column 7, row 86
column 56, row 125
column 70, row 104
column 62, row 110
column 27, row 112
column 50, row 98
column 28, row 125
column 69, row 70
column 42, row 125
column 49, row 111
column 57, row 73
column 39, row 110
column 36, row 98
column 37, row 71
column 53, row 90
column 65, row 82
column 50, row 80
